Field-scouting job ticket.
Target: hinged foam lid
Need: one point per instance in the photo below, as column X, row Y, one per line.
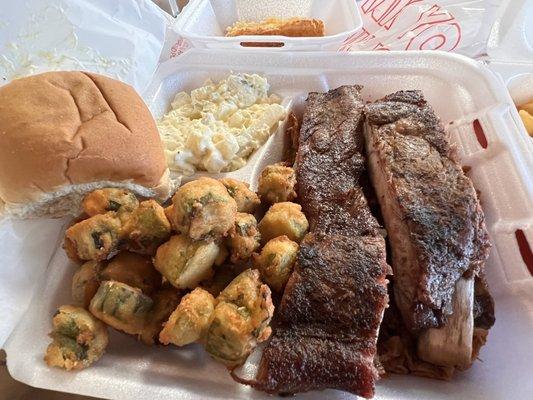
column 510, row 45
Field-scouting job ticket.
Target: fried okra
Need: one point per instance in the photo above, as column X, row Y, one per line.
column 85, row 283
column 169, row 213
column 277, row 184
column 94, row 238
column 224, row 274
column 276, row 261
column 122, row 307
column 102, row 201
column 189, row 322
column 165, row 302
column 185, row 262
column 223, row 253
column 240, row 320
column 247, row 201
column 134, row 270
column 79, row 339
column 146, row 228
column 284, row 219
column 244, row 237
column 203, row 208
column 228, row 338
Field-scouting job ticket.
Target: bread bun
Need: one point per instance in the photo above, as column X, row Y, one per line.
column 63, row 134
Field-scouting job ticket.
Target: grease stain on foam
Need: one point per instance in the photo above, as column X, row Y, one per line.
column 51, row 29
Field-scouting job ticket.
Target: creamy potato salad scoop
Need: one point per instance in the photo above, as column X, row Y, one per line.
column 217, row 127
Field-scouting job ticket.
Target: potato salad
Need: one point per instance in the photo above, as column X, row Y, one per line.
column 217, row 127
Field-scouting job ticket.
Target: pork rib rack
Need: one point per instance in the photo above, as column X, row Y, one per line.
column 333, row 304
column 434, row 222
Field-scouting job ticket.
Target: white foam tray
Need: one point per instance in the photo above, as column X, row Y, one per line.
column 510, row 48
column 511, row 38
column 461, row 91
column 204, row 22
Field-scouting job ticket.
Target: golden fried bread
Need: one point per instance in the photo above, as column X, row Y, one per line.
column 294, row 27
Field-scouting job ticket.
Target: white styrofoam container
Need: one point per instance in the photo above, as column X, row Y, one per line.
column 510, row 48
column 461, row 91
column 204, row 22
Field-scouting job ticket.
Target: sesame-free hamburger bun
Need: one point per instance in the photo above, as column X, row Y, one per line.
column 64, row 134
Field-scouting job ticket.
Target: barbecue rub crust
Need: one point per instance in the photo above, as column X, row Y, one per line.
column 432, row 214
column 333, row 303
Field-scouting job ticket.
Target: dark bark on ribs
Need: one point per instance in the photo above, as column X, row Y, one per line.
column 431, row 211
column 338, row 285
column 330, row 160
column 334, row 301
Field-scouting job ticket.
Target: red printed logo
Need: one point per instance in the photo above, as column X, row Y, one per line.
column 404, row 25
column 180, row 47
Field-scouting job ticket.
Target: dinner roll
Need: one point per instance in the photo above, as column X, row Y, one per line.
column 64, row 134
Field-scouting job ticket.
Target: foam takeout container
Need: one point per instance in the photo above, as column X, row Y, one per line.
column 510, row 48
column 462, row 92
column 204, row 22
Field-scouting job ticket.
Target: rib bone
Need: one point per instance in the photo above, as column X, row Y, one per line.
column 451, row 345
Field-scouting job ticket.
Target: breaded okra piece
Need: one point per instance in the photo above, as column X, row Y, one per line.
column 185, row 262
column 102, row 201
column 146, row 228
column 247, row 201
column 203, row 208
column 244, row 238
column 94, row 238
column 189, row 322
column 85, row 283
column 240, row 320
column 276, row 261
column 79, row 339
column 277, row 184
column 284, row 219
column 122, row 307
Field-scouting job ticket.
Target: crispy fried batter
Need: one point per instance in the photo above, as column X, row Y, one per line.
column 121, row 306
column 203, row 208
column 185, row 262
column 244, row 238
column 78, row 339
column 277, row 183
column 276, row 261
column 109, row 199
column 146, row 228
column 190, row 320
column 94, row 238
column 284, row 219
column 247, row 201
column 240, row 320
column 293, row 27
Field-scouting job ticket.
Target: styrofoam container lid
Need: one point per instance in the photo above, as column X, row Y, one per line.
column 510, row 48
column 511, row 38
column 203, row 22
